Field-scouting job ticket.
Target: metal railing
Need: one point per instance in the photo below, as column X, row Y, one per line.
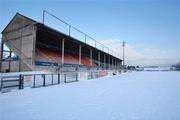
column 42, row 80
column 87, row 39
column 11, row 82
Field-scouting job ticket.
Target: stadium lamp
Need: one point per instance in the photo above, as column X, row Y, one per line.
column 123, row 45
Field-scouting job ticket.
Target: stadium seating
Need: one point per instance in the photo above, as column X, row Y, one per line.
column 47, row 55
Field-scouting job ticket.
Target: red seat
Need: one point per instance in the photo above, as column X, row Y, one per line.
column 48, row 55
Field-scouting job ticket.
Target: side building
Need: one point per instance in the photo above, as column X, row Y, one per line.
column 35, row 46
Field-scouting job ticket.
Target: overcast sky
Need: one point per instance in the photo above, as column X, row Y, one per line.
column 151, row 28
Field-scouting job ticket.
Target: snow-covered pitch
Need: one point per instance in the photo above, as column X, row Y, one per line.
column 127, row 96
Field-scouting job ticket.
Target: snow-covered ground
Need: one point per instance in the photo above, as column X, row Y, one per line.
column 127, row 96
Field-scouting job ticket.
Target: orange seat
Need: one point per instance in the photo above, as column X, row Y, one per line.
column 48, row 55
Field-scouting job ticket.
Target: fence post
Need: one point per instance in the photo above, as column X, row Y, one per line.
column 34, row 84
column 65, row 78
column 91, row 74
column 20, row 81
column 52, row 79
column 76, row 76
column 58, row 78
column 44, row 81
column 1, row 83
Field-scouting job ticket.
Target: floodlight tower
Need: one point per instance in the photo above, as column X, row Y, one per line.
column 123, row 45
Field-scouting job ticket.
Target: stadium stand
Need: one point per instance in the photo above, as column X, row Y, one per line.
column 38, row 46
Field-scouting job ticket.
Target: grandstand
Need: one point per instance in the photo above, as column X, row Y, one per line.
column 36, row 46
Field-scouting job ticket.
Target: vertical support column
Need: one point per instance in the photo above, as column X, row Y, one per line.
column 118, row 64
column 104, row 61
column 34, row 45
column 80, row 46
column 2, row 51
column 10, row 56
column 115, row 63
column 109, row 62
column 62, row 57
column 91, row 56
column 112, row 63
column 20, row 56
column 123, row 45
column 99, row 59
